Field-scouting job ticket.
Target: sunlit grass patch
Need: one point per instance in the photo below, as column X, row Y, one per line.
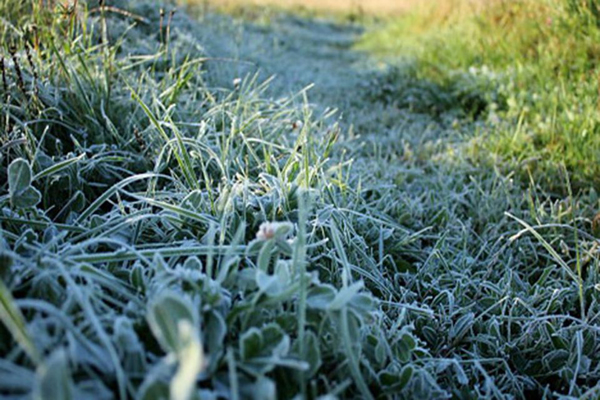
column 540, row 57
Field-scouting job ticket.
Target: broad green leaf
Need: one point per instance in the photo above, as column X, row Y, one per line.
column 345, row 295
column 19, row 177
column 193, row 263
column 282, row 270
column 136, row 277
column 312, row 352
column 269, row 341
column 214, row 336
column 77, row 202
column 264, row 256
column 251, row 343
column 30, row 197
column 53, row 379
column 320, row 296
column 393, row 381
column 460, row 328
column 265, row 389
column 269, row 284
column 404, row 347
column 157, row 390
column 164, row 316
column 282, row 229
column 363, row 303
column 275, row 341
column 22, row 194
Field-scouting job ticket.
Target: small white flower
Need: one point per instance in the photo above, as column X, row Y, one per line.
column 237, row 82
column 268, row 230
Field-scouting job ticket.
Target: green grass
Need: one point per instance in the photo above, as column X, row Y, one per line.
column 538, row 64
column 177, row 224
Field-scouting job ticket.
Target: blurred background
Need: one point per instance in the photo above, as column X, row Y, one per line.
column 367, row 6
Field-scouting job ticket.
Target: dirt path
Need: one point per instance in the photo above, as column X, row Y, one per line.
column 372, row 97
column 396, row 115
column 299, row 52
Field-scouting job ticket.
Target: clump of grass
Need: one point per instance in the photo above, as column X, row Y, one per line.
column 129, row 223
column 541, row 57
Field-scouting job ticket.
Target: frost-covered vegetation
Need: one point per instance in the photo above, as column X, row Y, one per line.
column 177, row 223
